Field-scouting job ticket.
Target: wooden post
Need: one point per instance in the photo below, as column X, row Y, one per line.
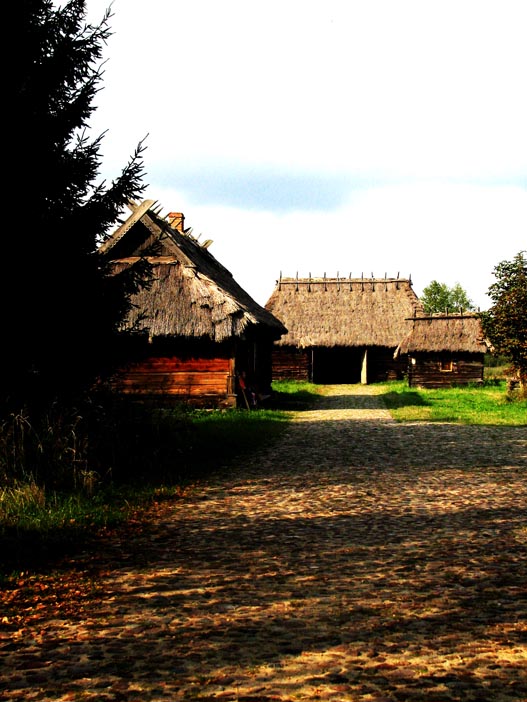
column 231, row 382
column 364, row 368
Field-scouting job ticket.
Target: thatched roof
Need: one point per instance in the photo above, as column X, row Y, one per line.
column 344, row 311
column 192, row 294
column 445, row 332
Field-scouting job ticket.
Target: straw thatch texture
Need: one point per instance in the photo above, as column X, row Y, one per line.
column 454, row 333
column 192, row 295
column 352, row 312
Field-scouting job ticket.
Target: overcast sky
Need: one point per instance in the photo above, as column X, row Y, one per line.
column 327, row 137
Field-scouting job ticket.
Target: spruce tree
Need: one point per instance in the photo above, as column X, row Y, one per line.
column 61, row 308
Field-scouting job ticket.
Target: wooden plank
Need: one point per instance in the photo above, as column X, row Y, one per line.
column 172, row 363
column 177, row 390
column 179, row 383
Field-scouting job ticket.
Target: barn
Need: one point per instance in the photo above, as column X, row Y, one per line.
column 198, row 337
column 444, row 350
column 342, row 330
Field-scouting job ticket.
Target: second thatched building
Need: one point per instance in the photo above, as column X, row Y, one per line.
column 444, row 350
column 342, row 330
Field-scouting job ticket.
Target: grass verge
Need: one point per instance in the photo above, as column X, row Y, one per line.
column 487, row 404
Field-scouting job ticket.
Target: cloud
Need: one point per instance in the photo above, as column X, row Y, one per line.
column 257, row 188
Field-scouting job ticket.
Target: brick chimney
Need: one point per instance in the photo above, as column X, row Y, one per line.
column 177, row 221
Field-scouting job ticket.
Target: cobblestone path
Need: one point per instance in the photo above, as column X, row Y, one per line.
column 356, row 559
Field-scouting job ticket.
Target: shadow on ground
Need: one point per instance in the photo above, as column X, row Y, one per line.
column 354, row 559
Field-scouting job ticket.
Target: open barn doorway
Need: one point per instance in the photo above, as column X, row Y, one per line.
column 337, row 365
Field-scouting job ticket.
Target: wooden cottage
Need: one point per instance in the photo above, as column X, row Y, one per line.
column 444, row 350
column 201, row 337
column 341, row 330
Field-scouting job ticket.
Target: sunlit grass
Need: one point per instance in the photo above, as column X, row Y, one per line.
column 27, row 507
column 294, row 394
column 473, row 404
column 38, row 525
column 488, row 403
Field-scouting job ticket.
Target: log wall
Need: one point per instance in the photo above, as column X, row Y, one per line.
column 199, row 381
column 382, row 366
column 291, row 364
column 424, row 370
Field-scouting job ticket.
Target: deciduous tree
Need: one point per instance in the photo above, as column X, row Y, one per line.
column 438, row 297
column 505, row 323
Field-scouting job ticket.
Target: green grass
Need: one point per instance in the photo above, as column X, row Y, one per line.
column 294, row 394
column 486, row 404
column 38, row 526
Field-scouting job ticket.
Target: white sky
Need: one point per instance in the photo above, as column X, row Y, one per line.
column 329, row 136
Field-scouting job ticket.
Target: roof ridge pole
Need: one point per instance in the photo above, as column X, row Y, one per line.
column 280, row 281
column 385, row 282
column 372, row 282
column 309, row 284
column 351, row 284
column 338, row 281
column 296, row 282
column 397, row 283
column 362, row 281
column 325, row 286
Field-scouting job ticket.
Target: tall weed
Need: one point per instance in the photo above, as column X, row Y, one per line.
column 50, row 449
